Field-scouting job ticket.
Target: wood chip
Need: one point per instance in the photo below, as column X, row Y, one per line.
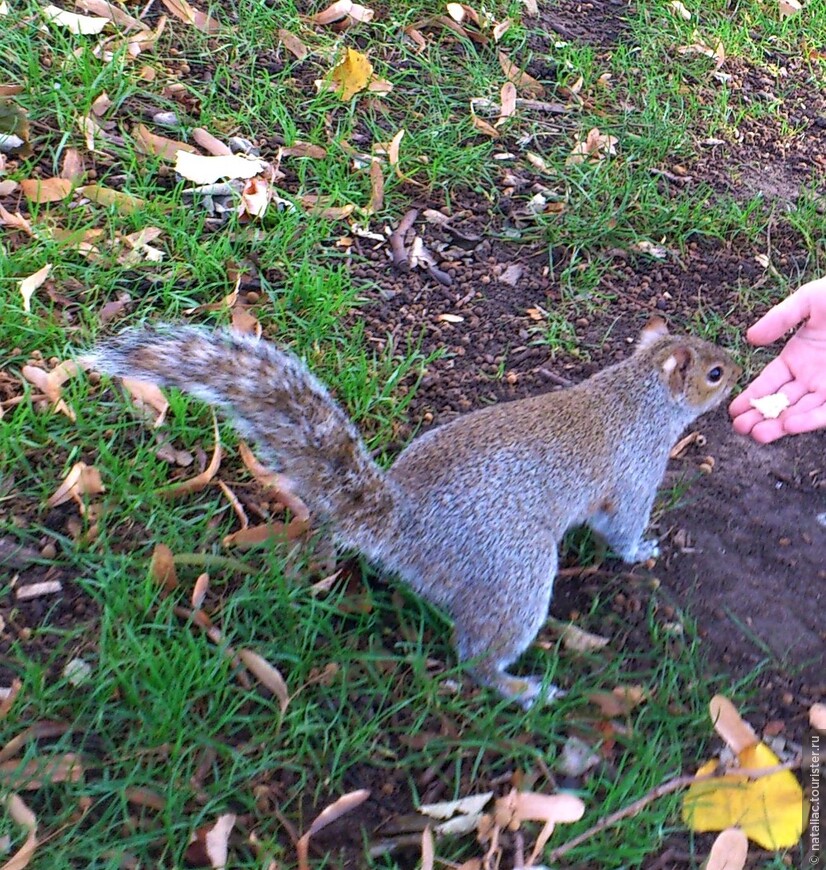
column 38, row 590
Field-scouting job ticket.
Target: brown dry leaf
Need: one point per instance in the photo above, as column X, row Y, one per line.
column 352, row 75
column 507, row 98
column 595, row 147
column 46, row 189
column 716, row 52
column 8, row 187
column 293, row 44
column 29, row 284
column 24, row 817
column 243, row 539
column 209, row 844
column 500, row 29
column 8, row 701
column 680, row 9
column 345, row 804
column 148, row 142
column 382, row 87
column 200, row 481
column 50, row 383
column 268, row 675
column 482, row 125
column 101, row 105
column 106, row 196
column 162, row 568
column 737, row 733
column 245, row 322
column 82, row 479
column 376, row 188
column 573, row 637
column 199, row 590
column 274, row 480
column 729, row 851
column 210, row 143
column 318, row 207
column 304, row 149
column 787, row 8
column 11, row 90
column 341, row 10
column 112, row 12
column 82, row 25
column 618, row 702
column 72, row 169
column 147, row 396
column 15, row 221
column 189, row 14
column 36, row 773
column 256, row 196
column 817, row 716
column 417, row 37
column 525, row 83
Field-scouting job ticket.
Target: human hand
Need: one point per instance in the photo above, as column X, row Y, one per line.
column 799, row 372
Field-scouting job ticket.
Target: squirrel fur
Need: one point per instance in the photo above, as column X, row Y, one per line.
column 470, row 514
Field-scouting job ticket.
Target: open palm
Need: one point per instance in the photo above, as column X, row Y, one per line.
column 799, row 372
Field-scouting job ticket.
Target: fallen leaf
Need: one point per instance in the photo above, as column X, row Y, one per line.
column 507, row 99
column 46, row 189
column 200, row 481
column 524, row 83
column 82, row 479
column 716, row 52
column 112, row 12
column 595, row 147
column 162, row 568
column 199, row 591
column 353, row 74
column 729, row 851
column 274, row 480
column 72, row 168
column 343, row 9
column 737, row 733
column 189, row 14
column 15, row 221
column 148, row 142
column 253, row 536
column 256, row 195
column 469, row 805
column 106, row 196
column 209, row 844
column 304, row 149
column 207, row 170
column 266, row 674
column 85, row 25
column 24, row 817
column 787, row 8
column 573, row 638
column 31, row 283
column 345, row 804
column 482, row 125
column 8, row 700
column 36, row 773
column 618, row 702
column 293, row 44
column 148, row 396
column 680, row 9
column 376, row 188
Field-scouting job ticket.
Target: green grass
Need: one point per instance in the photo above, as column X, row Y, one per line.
column 162, row 704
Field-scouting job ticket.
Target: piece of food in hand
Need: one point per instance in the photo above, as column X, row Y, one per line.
column 771, row 406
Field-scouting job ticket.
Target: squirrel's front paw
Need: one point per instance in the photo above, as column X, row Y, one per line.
column 641, row 552
column 527, row 691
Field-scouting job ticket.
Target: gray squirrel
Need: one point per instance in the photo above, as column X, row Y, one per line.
column 470, row 514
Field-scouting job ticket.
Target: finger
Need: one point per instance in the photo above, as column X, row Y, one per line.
column 767, row 431
column 744, row 423
column 775, row 375
column 799, row 423
column 786, row 314
column 805, row 405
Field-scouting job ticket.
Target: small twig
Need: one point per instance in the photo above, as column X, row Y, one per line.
column 397, row 246
column 554, row 378
column 438, row 275
column 671, row 176
column 661, row 790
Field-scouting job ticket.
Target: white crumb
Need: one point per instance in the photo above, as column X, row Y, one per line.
column 771, row 406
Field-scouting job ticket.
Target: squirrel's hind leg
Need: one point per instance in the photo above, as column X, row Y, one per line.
column 494, row 629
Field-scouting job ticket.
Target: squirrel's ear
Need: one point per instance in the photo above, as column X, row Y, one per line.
column 675, row 369
column 655, row 329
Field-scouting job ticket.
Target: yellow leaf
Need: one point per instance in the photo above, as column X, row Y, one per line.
column 770, row 810
column 353, row 74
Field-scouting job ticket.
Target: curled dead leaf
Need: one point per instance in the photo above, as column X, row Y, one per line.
column 23, row 816
column 41, row 190
column 162, row 568
column 81, row 480
column 200, row 481
column 525, row 83
column 147, row 396
column 736, row 732
column 148, row 142
column 29, row 284
column 268, row 675
column 189, row 14
column 345, row 804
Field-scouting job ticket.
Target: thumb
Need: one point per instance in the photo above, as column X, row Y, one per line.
column 786, row 314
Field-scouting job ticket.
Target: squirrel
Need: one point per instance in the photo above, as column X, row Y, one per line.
column 470, row 514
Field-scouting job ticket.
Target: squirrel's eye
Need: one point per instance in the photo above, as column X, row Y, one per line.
column 715, row 374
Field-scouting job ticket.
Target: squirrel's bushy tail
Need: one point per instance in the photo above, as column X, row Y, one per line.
column 277, row 404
